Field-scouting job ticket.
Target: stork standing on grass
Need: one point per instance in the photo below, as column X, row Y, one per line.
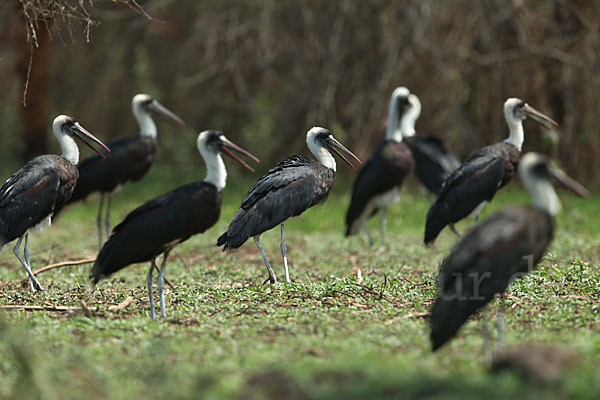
column 287, row 190
column 160, row 224
column 379, row 180
column 131, row 157
column 507, row 244
column 30, row 196
column 482, row 174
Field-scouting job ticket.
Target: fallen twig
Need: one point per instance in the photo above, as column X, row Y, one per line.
column 26, row 307
column 64, row 264
column 128, row 300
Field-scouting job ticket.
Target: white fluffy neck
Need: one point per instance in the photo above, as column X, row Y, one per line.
column 409, row 119
column 147, row 126
column 321, row 153
column 516, row 136
column 394, row 129
column 544, row 197
column 215, row 168
column 69, row 148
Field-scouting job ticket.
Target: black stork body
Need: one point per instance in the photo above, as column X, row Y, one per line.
column 287, row 190
column 506, row 245
column 379, row 180
column 482, row 174
column 160, row 224
column 130, row 159
column 30, row 196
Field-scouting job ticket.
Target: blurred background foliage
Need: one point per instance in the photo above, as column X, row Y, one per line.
column 264, row 71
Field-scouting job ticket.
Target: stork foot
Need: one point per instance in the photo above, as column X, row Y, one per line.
column 270, row 279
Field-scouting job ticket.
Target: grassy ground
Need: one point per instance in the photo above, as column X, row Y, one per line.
column 330, row 334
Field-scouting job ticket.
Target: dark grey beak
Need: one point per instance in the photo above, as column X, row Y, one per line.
column 539, row 117
column 566, row 181
column 86, row 137
column 229, row 147
column 162, row 110
column 336, row 146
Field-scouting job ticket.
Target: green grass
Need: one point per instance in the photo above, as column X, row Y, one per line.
column 327, row 335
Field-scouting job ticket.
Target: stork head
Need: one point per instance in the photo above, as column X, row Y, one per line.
column 321, row 142
column 518, row 110
column 404, row 110
column 64, row 125
column 215, row 142
column 537, row 171
column 143, row 104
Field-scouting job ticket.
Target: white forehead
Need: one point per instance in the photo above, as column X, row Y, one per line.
column 140, row 98
column 511, row 103
column 400, row 92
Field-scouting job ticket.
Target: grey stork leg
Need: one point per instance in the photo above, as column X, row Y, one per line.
column 27, row 256
column 487, row 343
column 161, row 283
column 99, row 222
column 453, row 229
column 366, row 229
column 33, row 282
column 382, row 223
column 284, row 255
column 108, row 215
column 500, row 323
column 271, row 278
column 150, row 294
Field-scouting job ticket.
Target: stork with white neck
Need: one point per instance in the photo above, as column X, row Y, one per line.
column 506, row 245
column 32, row 194
column 287, row 190
column 160, row 224
column 378, row 182
column 483, row 173
column 131, row 157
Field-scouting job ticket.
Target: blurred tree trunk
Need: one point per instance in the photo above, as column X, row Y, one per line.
column 34, row 67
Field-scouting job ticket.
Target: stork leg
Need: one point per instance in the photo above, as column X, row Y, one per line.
column 108, row 215
column 487, row 342
column 500, row 323
column 284, row 255
column 99, row 222
column 161, row 283
column 34, row 284
column 27, row 257
column 453, row 229
column 271, row 278
column 149, row 284
column 382, row 223
column 366, row 229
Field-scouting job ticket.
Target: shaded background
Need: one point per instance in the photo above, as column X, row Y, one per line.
column 265, row 71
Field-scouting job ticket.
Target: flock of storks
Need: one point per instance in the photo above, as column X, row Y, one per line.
column 483, row 264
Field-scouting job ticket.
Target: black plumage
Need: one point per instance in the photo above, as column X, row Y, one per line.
column 32, row 194
column 287, row 190
column 434, row 162
column 485, row 171
column 493, row 254
column 377, row 183
column 158, row 225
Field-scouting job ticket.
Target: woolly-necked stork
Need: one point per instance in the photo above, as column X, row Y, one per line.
column 160, row 224
column 287, row 190
column 131, row 157
column 378, row 182
column 30, row 196
column 434, row 162
column 485, row 171
column 507, row 244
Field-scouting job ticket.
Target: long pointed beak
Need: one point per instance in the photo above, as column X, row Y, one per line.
column 228, row 146
column 162, row 110
column 539, row 117
column 334, row 145
column 567, row 181
column 86, row 137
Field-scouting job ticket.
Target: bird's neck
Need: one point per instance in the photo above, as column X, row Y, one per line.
column 544, row 197
column 408, row 121
column 322, row 154
column 216, row 173
column 394, row 128
column 147, row 126
column 69, row 148
column 516, row 136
